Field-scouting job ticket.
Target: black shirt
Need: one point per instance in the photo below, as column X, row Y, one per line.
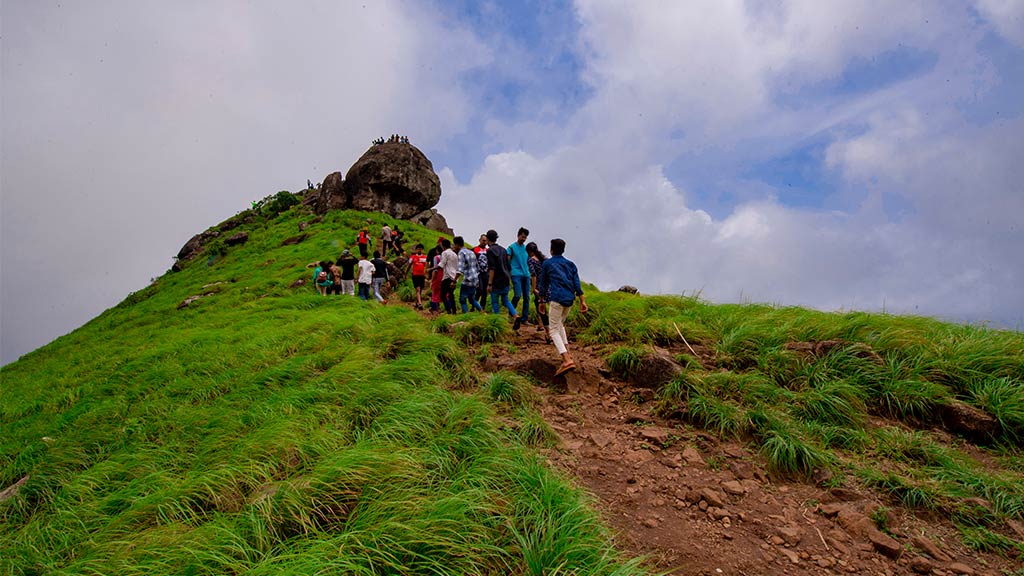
column 497, row 260
column 348, row 267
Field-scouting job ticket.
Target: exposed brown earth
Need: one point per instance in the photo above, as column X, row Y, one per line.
column 694, row 504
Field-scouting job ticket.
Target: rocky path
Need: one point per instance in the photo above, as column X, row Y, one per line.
column 697, row 505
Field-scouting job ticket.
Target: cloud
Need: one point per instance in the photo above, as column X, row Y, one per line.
column 128, row 127
column 1007, row 16
column 916, row 206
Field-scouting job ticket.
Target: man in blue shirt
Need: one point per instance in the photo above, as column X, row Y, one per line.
column 519, row 263
column 559, row 283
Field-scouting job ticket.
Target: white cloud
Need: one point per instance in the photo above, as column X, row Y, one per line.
column 128, row 127
column 718, row 72
column 1007, row 16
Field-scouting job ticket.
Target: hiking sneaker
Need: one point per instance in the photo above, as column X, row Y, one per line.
column 517, row 323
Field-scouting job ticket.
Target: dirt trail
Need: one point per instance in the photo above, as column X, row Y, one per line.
column 697, row 505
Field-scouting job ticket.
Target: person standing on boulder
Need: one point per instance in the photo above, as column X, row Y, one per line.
column 520, row 266
column 560, row 281
column 499, row 277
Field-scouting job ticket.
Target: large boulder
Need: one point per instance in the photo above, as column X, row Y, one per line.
column 394, row 178
column 330, row 196
column 433, row 220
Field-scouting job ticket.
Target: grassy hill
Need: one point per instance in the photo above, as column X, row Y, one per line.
column 265, row 429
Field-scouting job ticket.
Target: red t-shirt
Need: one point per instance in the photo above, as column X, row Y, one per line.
column 419, row 264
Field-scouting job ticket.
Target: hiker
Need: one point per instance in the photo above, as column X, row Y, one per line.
column 385, row 240
column 418, row 263
column 481, row 263
column 363, row 239
column 499, row 277
column 560, row 281
column 435, row 251
column 380, row 275
column 398, row 238
column 449, row 264
column 435, row 282
column 470, row 272
column 322, row 278
column 335, row 275
column 537, row 259
column 348, row 264
column 366, row 270
column 519, row 261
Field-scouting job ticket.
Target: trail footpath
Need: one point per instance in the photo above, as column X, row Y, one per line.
column 695, row 504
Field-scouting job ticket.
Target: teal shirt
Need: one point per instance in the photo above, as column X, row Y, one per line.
column 519, row 259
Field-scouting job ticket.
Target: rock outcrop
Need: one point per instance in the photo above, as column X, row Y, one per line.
column 433, row 220
column 394, row 178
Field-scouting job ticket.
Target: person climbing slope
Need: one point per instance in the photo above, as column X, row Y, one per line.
column 560, row 281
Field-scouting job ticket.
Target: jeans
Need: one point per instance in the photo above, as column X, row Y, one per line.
column 377, row 283
column 468, row 292
column 521, row 288
column 364, row 291
column 499, row 296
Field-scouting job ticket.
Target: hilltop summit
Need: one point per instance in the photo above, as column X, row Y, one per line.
column 395, row 178
column 392, row 177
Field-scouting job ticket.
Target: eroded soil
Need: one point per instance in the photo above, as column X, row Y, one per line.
column 694, row 504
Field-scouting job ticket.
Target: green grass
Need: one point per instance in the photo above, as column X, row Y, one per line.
column 267, row 430
column 626, row 360
column 863, row 407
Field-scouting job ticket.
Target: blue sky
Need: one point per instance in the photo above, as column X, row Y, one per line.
column 839, row 155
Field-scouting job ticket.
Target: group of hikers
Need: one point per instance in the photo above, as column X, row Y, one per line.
column 487, row 270
column 393, row 138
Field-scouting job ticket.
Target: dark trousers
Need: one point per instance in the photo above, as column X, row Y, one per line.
column 364, row 291
column 481, row 291
column 448, row 295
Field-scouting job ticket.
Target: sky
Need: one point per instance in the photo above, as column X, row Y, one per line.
column 840, row 155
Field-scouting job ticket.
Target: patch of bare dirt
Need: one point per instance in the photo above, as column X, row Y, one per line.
column 697, row 505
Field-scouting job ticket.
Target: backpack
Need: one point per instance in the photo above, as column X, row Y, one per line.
column 321, row 277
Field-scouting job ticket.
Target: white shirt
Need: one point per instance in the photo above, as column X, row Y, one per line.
column 449, row 263
column 366, row 269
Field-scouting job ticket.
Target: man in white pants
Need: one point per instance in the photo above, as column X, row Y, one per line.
column 559, row 284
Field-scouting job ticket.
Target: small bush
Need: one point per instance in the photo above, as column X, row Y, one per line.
column 1003, row 398
column 626, row 360
column 535, row 431
column 789, row 455
column 271, row 206
column 510, row 388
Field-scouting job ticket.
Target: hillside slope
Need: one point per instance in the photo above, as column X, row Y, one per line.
column 265, row 429
column 262, row 428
